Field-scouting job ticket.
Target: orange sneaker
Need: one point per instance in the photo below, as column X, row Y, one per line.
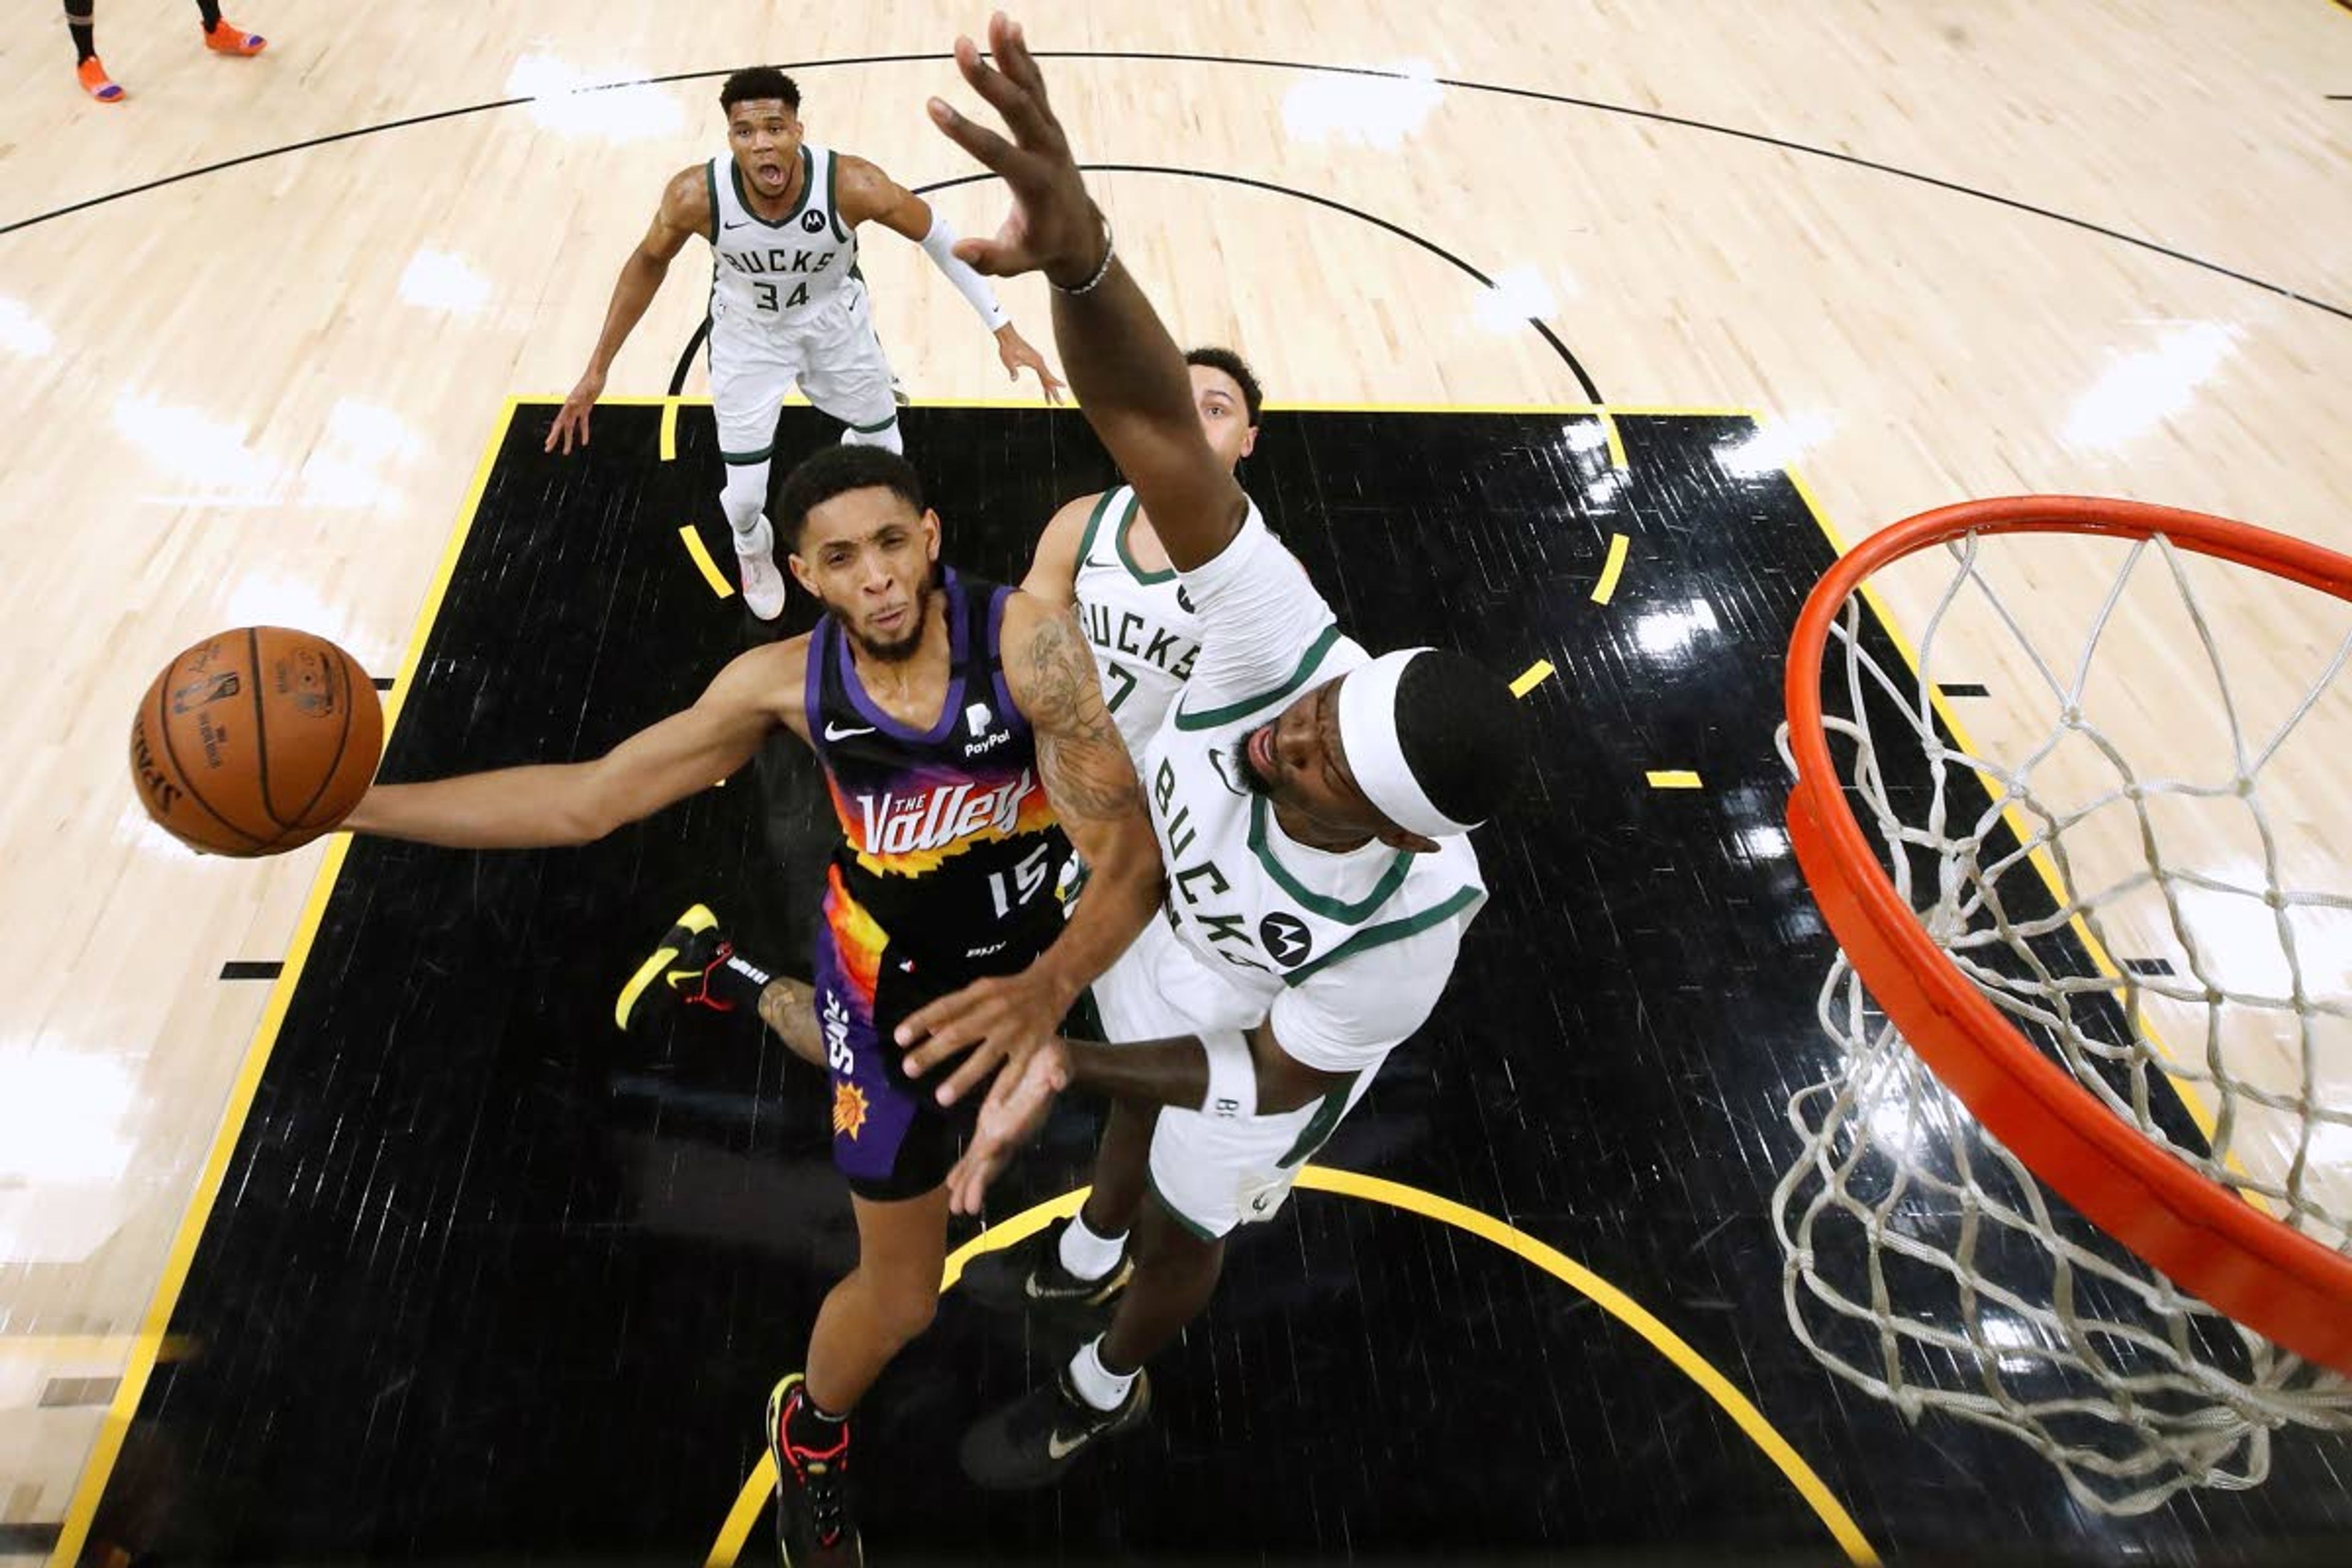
column 228, row 39
column 97, row 83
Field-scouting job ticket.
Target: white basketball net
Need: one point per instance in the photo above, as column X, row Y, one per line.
column 1923, row 1262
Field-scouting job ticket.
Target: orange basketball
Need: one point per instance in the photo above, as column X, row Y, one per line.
column 255, row 741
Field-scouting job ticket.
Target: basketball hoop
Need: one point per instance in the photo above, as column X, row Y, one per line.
column 2000, row 1211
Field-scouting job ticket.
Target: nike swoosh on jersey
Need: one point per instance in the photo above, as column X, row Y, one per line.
column 835, row 733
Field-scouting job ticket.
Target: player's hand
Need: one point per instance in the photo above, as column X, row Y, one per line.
column 571, row 419
column 1013, row 351
column 1016, row 1107
column 1053, row 227
column 989, row 1023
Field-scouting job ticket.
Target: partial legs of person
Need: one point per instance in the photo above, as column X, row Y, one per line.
column 1204, row 1178
column 749, row 372
column 81, row 22
column 886, row 1301
column 223, row 37
column 848, row 375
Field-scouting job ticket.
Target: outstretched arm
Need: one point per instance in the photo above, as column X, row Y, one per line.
column 1128, row 377
column 578, row 802
column 1176, row 1072
column 865, row 192
column 685, row 209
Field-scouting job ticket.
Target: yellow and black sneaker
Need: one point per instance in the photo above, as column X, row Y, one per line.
column 678, row 968
column 815, row 1525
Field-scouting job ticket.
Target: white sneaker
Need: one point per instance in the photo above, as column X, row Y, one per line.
column 763, row 583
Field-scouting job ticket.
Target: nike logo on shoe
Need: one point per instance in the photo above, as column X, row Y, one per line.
column 1060, row 1447
column 835, row 733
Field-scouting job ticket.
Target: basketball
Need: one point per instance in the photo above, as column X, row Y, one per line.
column 255, row 741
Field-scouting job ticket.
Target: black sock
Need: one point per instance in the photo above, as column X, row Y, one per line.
column 84, row 31
column 736, row 980
column 211, row 12
column 810, row 1427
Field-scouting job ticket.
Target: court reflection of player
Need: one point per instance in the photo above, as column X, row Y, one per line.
column 958, row 723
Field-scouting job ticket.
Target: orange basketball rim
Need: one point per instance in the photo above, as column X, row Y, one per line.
column 2286, row 1287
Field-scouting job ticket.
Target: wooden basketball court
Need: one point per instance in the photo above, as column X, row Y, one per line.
column 1592, row 332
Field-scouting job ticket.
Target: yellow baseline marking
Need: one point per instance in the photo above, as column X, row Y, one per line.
column 710, row 573
column 1611, row 569
column 75, row 1530
column 1446, row 1211
column 86, row 1348
column 1535, row 675
column 1673, row 778
column 2188, row 1091
column 669, row 430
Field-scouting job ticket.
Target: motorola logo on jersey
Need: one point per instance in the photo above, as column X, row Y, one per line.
column 895, row 823
column 1285, row 936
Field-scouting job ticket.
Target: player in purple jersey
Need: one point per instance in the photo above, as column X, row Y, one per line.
column 962, row 732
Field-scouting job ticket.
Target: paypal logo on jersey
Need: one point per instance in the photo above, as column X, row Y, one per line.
column 976, row 720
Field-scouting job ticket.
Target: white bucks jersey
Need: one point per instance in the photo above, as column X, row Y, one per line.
column 1266, row 913
column 1140, row 624
column 779, row 273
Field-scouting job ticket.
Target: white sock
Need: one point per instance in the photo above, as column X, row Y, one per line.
column 761, row 541
column 1098, row 1385
column 1086, row 1255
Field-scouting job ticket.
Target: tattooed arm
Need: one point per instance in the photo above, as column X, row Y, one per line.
column 1091, row 782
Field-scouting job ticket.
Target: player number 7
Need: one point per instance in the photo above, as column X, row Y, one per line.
column 1126, row 679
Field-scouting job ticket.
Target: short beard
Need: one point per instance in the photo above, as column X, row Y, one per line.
column 1258, row 782
column 902, row 650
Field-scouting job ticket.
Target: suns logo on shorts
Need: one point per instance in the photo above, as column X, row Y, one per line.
column 848, row 1111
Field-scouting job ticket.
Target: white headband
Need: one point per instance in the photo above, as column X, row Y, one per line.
column 1368, row 730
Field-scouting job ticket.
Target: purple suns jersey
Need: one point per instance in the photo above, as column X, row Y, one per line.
column 948, row 845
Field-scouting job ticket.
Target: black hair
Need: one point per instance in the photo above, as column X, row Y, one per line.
column 759, row 82
column 1464, row 734
column 837, row 471
column 1232, row 364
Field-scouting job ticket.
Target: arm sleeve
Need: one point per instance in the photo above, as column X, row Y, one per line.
column 938, row 245
column 1260, row 617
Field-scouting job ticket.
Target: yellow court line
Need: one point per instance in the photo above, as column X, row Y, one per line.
column 1616, row 442
column 1535, row 675
column 1446, row 1211
column 75, row 1530
column 1673, row 778
column 1610, row 570
column 710, row 573
column 2189, row 1093
column 86, row 1348
column 669, row 430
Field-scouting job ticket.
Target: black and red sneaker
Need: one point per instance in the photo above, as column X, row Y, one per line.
column 681, row 965
column 815, row 1525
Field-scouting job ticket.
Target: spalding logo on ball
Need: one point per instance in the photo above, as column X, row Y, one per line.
column 256, row 742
